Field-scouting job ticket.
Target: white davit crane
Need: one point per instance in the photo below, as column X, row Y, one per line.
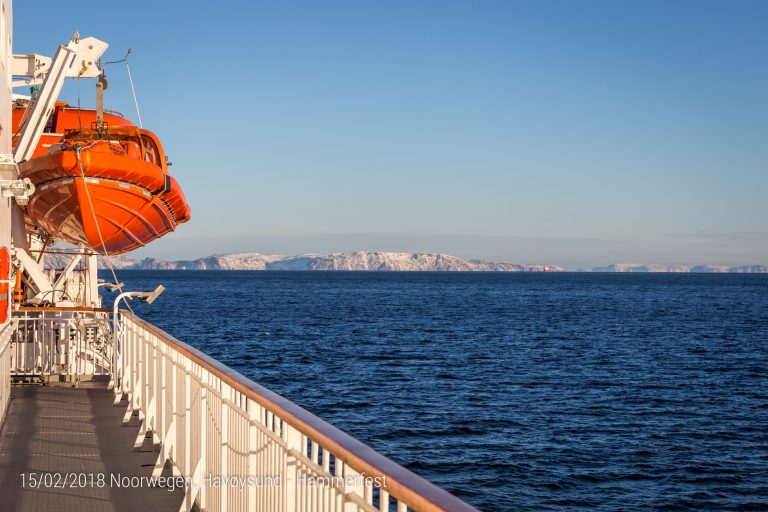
column 75, row 60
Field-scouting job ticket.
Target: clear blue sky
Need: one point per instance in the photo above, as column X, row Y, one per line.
column 576, row 132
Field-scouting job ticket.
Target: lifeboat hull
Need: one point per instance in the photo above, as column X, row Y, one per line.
column 107, row 202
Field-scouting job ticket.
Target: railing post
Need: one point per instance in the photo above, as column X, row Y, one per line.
column 353, row 484
column 114, row 380
column 253, row 440
column 226, row 395
column 154, row 398
column 142, row 398
column 162, row 406
column 187, row 468
column 293, row 438
column 338, row 470
column 172, row 434
column 129, row 371
column 126, row 365
column 166, row 429
column 202, row 464
column 138, row 370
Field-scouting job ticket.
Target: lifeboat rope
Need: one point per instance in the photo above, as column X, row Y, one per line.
column 133, row 91
column 119, row 285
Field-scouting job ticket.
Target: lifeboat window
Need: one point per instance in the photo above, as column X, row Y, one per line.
column 132, row 149
column 50, row 124
column 152, row 153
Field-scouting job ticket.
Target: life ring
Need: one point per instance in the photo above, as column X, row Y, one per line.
column 5, row 282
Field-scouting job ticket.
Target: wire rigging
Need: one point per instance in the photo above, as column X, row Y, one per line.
column 133, row 91
column 119, row 285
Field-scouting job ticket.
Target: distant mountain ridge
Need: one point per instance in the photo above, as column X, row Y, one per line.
column 698, row 269
column 359, row 260
column 379, row 261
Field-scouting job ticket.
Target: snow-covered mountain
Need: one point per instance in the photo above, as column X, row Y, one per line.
column 53, row 260
column 371, row 261
column 396, row 261
column 237, row 261
column 639, row 267
column 750, row 269
column 375, row 261
column 698, row 269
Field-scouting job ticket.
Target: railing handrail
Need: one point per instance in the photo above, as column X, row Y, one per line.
column 402, row 484
column 64, row 308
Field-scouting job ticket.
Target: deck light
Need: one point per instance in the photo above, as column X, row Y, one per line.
column 113, row 287
column 146, row 296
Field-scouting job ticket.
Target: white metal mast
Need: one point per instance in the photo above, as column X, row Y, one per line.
column 7, row 172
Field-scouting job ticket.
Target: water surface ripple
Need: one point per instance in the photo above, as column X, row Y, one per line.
column 513, row 391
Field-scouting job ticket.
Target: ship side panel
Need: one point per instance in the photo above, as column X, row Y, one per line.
column 6, row 56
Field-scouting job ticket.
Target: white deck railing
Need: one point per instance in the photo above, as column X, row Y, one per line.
column 6, row 331
column 240, row 447
column 68, row 343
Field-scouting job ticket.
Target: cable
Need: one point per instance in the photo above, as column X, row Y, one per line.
column 96, row 222
column 133, row 91
column 53, row 292
column 79, row 121
column 102, row 65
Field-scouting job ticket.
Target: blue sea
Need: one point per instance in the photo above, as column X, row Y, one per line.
column 514, row 391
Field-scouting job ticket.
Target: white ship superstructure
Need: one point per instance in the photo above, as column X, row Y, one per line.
column 8, row 175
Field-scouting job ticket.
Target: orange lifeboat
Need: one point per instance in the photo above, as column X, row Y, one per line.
column 107, row 189
column 63, row 117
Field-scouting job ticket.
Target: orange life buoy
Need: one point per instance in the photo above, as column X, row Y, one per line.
column 5, row 281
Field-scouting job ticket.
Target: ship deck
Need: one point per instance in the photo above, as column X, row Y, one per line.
column 232, row 444
column 53, row 431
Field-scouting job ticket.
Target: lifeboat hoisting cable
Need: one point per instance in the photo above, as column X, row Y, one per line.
column 117, row 282
column 101, row 85
column 133, row 91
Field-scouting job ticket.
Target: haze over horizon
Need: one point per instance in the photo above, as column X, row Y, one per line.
column 573, row 133
column 580, row 253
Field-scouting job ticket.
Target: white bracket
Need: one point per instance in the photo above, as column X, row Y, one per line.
column 62, row 280
column 21, row 190
column 32, row 65
column 8, row 168
column 35, row 272
column 10, row 186
column 75, row 60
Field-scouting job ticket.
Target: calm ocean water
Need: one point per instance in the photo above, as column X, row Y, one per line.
column 513, row 391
